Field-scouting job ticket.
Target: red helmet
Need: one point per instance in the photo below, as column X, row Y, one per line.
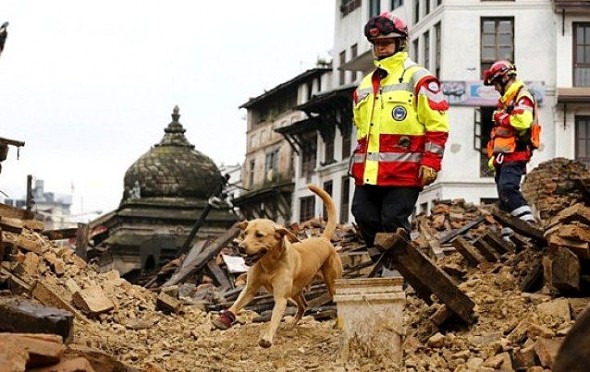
column 385, row 26
column 498, row 70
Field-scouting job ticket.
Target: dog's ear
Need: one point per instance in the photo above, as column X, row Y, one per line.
column 242, row 225
column 282, row 231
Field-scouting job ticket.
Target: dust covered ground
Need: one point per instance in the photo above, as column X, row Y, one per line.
column 508, row 321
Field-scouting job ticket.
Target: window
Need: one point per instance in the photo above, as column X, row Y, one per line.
column 374, row 7
column 347, row 6
column 437, row 47
column 271, row 164
column 251, row 173
column 329, row 150
column 583, row 140
column 581, row 54
column 306, row 208
column 427, row 49
column 417, row 11
column 342, row 72
column 308, row 157
column 346, row 143
column 483, row 127
column 353, row 54
column 328, row 187
column 344, row 199
column 438, row 2
column 396, row 3
column 427, row 10
column 415, row 49
column 497, row 41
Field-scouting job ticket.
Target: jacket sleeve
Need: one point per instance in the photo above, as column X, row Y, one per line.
column 432, row 113
column 520, row 117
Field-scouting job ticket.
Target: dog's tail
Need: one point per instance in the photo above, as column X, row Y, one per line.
column 329, row 203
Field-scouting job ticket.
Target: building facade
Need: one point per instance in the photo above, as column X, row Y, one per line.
column 547, row 40
column 269, row 171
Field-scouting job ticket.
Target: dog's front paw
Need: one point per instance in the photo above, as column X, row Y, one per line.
column 265, row 343
column 224, row 321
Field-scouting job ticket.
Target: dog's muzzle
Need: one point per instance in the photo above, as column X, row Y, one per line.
column 251, row 259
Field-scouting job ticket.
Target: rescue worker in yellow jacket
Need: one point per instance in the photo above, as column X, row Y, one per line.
column 514, row 136
column 401, row 123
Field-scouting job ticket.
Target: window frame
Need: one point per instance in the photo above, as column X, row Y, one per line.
column 579, row 67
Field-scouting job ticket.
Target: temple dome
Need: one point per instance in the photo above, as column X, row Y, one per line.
column 172, row 168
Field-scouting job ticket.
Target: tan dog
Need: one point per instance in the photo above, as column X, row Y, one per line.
column 285, row 268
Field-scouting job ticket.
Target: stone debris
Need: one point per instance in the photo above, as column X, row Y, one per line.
column 118, row 325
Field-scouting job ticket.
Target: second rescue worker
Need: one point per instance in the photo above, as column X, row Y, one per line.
column 402, row 127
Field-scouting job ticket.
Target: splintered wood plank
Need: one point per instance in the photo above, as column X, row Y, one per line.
column 218, row 275
column 426, row 273
column 203, row 257
column 454, row 233
column 518, row 225
column 61, row 233
column 495, row 241
column 436, row 251
column 486, row 250
column 468, row 251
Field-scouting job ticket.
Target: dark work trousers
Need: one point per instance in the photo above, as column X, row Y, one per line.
column 382, row 209
column 508, row 176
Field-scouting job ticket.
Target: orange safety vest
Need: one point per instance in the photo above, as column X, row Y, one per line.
column 506, row 139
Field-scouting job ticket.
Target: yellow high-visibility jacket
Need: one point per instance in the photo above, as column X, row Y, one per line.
column 401, row 120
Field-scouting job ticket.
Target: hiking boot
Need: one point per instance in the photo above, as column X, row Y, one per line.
column 506, row 232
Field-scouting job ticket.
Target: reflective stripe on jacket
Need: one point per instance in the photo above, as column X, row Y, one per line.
column 400, row 116
column 517, row 108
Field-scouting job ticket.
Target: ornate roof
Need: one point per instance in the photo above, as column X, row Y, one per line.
column 172, row 168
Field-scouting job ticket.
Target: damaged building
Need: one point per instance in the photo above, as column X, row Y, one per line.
column 166, row 191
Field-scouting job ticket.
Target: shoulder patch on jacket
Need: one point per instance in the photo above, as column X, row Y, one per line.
column 431, row 88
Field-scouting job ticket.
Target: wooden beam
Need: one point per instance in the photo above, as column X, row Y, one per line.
column 436, row 251
column 218, row 275
column 406, row 256
column 60, row 233
column 468, row 251
column 190, row 266
column 454, row 233
column 82, row 240
column 486, row 250
column 518, row 225
column 496, row 242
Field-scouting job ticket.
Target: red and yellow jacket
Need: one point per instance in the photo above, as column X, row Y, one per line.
column 401, row 121
column 512, row 124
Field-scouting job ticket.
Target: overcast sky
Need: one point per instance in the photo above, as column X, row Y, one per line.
column 89, row 86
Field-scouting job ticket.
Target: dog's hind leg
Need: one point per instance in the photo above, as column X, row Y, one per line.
column 266, row 338
column 301, row 307
column 332, row 270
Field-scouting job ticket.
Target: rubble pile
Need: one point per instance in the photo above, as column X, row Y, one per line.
column 517, row 287
column 555, row 185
